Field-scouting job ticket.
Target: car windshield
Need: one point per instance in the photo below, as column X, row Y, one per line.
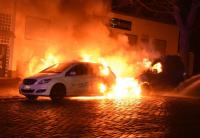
column 57, row 68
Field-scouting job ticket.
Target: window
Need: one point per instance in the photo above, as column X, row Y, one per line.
column 132, row 39
column 160, row 46
column 144, row 39
column 5, row 28
column 2, row 60
column 78, row 70
column 57, row 68
column 121, row 24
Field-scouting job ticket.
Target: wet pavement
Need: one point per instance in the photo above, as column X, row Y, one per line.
column 155, row 116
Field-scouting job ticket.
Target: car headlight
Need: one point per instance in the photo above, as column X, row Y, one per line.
column 44, row 81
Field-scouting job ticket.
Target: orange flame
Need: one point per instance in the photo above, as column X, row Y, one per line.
column 102, row 88
column 36, row 65
column 157, row 67
column 125, row 87
column 147, row 63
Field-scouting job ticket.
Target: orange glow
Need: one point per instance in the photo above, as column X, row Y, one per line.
column 157, row 67
column 36, row 66
column 125, row 87
column 87, row 98
column 102, row 88
column 147, row 63
column 104, row 71
column 90, row 40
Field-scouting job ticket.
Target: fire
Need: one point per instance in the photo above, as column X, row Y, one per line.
column 36, row 65
column 157, row 67
column 147, row 63
column 49, row 60
column 102, row 88
column 125, row 87
column 104, row 71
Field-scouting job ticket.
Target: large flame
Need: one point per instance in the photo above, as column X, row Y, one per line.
column 125, row 87
column 36, row 66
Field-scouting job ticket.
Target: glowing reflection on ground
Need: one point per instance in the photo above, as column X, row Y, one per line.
column 87, row 98
column 103, row 98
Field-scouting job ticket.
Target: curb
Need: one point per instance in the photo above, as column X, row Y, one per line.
column 10, row 98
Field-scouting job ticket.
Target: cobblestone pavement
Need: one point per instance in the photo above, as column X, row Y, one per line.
column 74, row 118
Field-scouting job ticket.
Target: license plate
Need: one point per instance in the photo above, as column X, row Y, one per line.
column 27, row 87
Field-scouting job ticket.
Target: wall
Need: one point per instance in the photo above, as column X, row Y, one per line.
column 152, row 30
column 32, row 27
column 7, row 25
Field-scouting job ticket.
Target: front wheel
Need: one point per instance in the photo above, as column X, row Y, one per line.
column 58, row 92
column 31, row 97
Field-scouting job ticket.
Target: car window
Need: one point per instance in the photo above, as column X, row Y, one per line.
column 57, row 68
column 99, row 70
column 96, row 70
column 77, row 70
column 91, row 69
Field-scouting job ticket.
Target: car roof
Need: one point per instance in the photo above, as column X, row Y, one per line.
column 85, row 63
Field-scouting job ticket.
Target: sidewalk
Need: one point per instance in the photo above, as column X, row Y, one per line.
column 9, row 87
column 9, row 82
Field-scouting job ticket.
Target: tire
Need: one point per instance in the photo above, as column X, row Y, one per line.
column 58, row 92
column 31, row 97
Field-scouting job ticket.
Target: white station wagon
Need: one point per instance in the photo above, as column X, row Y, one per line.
column 68, row 79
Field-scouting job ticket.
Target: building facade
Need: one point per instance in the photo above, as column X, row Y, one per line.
column 160, row 37
column 7, row 36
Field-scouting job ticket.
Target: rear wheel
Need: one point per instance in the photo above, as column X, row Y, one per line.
column 105, row 87
column 58, row 92
column 31, row 97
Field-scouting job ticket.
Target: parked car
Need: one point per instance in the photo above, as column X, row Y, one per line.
column 171, row 75
column 68, row 79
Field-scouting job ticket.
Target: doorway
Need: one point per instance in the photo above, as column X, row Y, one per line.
column 3, row 49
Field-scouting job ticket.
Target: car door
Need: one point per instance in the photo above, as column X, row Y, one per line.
column 78, row 78
column 96, row 79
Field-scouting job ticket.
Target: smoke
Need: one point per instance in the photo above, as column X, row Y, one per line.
column 69, row 29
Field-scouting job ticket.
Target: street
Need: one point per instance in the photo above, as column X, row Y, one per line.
column 156, row 116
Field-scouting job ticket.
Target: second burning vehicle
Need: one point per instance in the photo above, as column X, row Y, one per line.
column 165, row 73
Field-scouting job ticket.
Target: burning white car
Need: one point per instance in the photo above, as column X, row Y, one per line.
column 68, row 79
